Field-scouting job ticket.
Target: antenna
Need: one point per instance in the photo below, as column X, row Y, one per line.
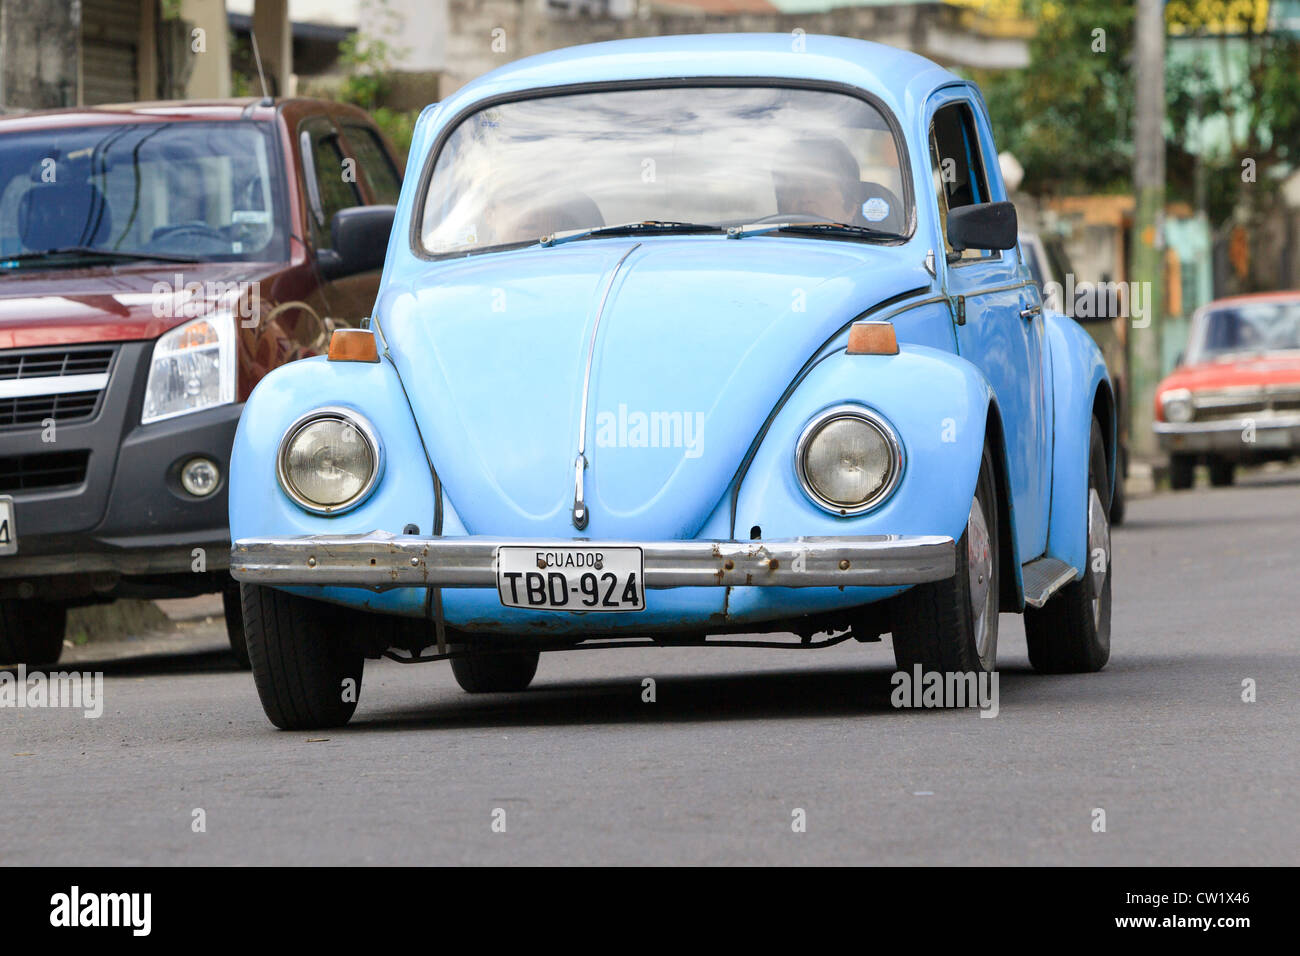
column 257, row 58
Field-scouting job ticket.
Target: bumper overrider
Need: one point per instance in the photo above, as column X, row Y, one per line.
column 1232, row 437
column 381, row 561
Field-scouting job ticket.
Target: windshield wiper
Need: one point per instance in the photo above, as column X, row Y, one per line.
column 815, row 226
column 628, row 229
column 90, row 252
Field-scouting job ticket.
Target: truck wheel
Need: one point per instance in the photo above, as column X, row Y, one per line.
column 480, row 670
column 1071, row 633
column 1182, row 472
column 31, row 632
column 1222, row 472
column 307, row 673
column 231, row 604
column 952, row 626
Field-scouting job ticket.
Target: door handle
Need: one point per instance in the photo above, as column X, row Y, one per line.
column 1029, row 313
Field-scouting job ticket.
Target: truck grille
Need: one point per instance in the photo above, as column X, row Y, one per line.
column 37, row 385
column 44, row 470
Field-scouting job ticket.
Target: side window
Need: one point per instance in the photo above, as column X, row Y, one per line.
column 374, row 163
column 957, row 166
column 330, row 185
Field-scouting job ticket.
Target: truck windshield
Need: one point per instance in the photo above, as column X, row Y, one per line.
column 682, row 157
column 1246, row 328
column 184, row 190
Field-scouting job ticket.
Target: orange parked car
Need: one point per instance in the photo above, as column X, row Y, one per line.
column 1235, row 396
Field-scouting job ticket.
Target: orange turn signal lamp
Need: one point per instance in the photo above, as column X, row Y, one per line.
column 353, row 345
column 871, row 338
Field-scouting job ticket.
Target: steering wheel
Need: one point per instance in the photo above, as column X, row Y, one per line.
column 195, row 226
column 790, row 217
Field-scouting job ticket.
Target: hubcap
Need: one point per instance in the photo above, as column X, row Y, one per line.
column 1098, row 552
column 979, row 553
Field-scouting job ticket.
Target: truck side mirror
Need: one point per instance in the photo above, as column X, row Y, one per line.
column 360, row 238
column 988, row 225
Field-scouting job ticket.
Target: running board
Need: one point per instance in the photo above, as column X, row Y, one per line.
column 1044, row 577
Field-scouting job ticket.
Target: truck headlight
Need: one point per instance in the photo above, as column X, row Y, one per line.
column 848, row 459
column 193, row 367
column 1176, row 404
column 329, row 460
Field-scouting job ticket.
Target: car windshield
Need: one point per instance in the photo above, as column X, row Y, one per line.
column 1246, row 328
column 188, row 190
column 680, row 156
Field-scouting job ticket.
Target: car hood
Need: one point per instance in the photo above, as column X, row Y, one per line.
column 107, row 303
column 697, row 340
column 1281, row 368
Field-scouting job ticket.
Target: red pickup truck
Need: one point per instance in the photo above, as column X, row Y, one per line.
column 156, row 260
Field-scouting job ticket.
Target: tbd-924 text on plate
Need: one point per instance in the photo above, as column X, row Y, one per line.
column 571, row 578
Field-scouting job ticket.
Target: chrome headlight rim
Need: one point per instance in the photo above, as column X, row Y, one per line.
column 368, row 434
column 871, row 418
column 1177, row 397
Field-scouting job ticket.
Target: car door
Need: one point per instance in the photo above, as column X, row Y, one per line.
column 335, row 179
column 998, row 308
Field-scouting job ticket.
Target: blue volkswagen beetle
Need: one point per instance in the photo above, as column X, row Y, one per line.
column 681, row 339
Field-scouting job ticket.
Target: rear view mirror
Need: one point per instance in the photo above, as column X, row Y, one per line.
column 360, row 239
column 988, row 225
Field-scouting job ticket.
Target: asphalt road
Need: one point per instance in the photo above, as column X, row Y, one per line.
column 712, row 772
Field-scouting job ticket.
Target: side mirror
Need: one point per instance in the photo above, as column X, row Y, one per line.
column 360, row 239
column 988, row 225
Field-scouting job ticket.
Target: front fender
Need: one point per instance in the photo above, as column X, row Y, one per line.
column 938, row 404
column 1078, row 376
column 404, row 495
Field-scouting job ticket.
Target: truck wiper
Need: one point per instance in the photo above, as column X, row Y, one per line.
column 91, row 252
column 815, row 226
column 628, row 229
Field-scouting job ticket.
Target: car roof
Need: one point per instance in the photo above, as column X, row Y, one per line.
column 1283, row 295
column 901, row 79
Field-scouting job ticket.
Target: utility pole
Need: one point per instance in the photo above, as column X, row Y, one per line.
column 1148, row 247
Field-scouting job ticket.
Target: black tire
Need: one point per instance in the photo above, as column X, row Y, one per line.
column 232, row 603
column 1182, row 472
column 1118, row 495
column 301, row 659
column 1222, row 472
column 479, row 669
column 1067, row 636
column 31, row 632
column 935, row 624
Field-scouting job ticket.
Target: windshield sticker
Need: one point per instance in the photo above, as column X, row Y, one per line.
column 875, row 209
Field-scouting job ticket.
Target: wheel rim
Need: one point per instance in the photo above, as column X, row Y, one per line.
column 1098, row 552
column 979, row 554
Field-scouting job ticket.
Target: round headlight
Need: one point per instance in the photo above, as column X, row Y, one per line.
column 1177, row 406
column 848, row 459
column 329, row 460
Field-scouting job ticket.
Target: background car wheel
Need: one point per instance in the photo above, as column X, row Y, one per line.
column 1182, row 472
column 1222, row 472
column 1118, row 497
column 302, row 659
column 31, row 632
column 1071, row 633
column 231, row 603
column 479, row 669
column 952, row 626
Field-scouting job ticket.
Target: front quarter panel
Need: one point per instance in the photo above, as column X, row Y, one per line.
column 402, row 496
column 938, row 404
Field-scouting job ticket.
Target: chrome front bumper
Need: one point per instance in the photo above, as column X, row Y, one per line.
column 1234, row 438
column 380, row 561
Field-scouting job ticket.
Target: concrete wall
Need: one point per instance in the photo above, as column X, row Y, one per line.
column 39, row 56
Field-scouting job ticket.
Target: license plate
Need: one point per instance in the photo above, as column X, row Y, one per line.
column 1272, row 438
column 8, row 533
column 571, row 578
